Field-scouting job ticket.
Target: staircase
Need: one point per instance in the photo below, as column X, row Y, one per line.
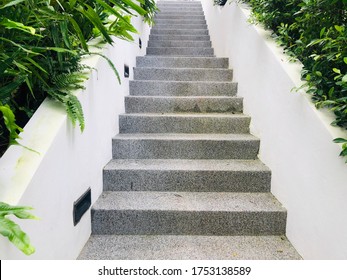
column 185, row 181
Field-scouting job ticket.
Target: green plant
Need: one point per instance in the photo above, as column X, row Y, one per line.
column 41, row 46
column 315, row 32
column 151, row 8
column 11, row 230
column 42, row 43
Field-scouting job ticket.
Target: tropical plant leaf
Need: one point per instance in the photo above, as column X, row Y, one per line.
column 12, row 3
column 10, row 123
column 9, row 24
column 113, row 67
column 11, row 230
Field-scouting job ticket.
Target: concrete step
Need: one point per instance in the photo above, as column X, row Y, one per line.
column 184, row 123
column 182, row 88
column 182, row 14
column 188, row 213
column 185, row 247
column 179, row 31
column 179, row 20
column 181, row 62
column 172, row 17
column 178, row 3
column 183, row 74
column 180, row 37
column 179, row 44
column 179, row 9
column 185, row 146
column 186, row 175
column 179, row 26
column 183, row 104
column 181, row 51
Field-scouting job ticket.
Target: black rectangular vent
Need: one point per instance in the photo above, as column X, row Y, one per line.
column 126, row 71
column 81, row 206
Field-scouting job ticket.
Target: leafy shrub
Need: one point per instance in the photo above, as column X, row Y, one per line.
column 151, row 8
column 315, row 32
column 42, row 43
column 41, row 46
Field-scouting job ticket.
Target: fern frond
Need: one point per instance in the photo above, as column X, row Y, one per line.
column 67, row 82
column 74, row 110
column 109, row 61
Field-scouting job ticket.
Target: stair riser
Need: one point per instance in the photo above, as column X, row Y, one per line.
column 184, row 149
column 153, row 88
column 182, row 105
column 179, row 32
column 167, row 10
column 163, row 4
column 177, row 20
column 179, row 44
column 180, row 51
column 180, row 37
column 188, row 223
column 179, row 26
column 183, row 14
column 159, row 18
column 181, row 62
column 183, row 74
column 182, row 124
column 186, row 180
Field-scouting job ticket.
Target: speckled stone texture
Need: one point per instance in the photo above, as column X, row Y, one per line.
column 171, row 247
column 179, row 31
column 182, row 88
column 179, row 37
column 184, row 51
column 180, row 146
column 185, row 181
column 188, row 213
column 179, row 20
column 184, row 123
column 187, row 175
column 181, row 62
column 186, row 104
column 183, row 74
column 179, row 26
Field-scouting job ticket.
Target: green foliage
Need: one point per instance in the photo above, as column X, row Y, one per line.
column 42, row 43
column 41, row 46
column 315, row 32
column 151, row 8
column 11, row 230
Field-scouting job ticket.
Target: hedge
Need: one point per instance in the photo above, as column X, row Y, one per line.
column 315, row 32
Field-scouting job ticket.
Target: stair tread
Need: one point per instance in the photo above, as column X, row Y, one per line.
column 173, row 97
column 189, row 115
column 177, row 69
column 183, row 82
column 188, row 201
column 187, row 165
column 173, row 247
column 192, row 137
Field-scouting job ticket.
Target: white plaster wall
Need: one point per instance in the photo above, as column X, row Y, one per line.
column 69, row 161
column 308, row 177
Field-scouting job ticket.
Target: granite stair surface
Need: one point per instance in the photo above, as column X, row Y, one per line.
column 185, row 181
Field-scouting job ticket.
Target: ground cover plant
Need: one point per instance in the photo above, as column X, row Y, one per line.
column 314, row 32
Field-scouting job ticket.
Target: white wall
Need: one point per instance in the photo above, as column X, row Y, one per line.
column 308, row 177
column 69, row 161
